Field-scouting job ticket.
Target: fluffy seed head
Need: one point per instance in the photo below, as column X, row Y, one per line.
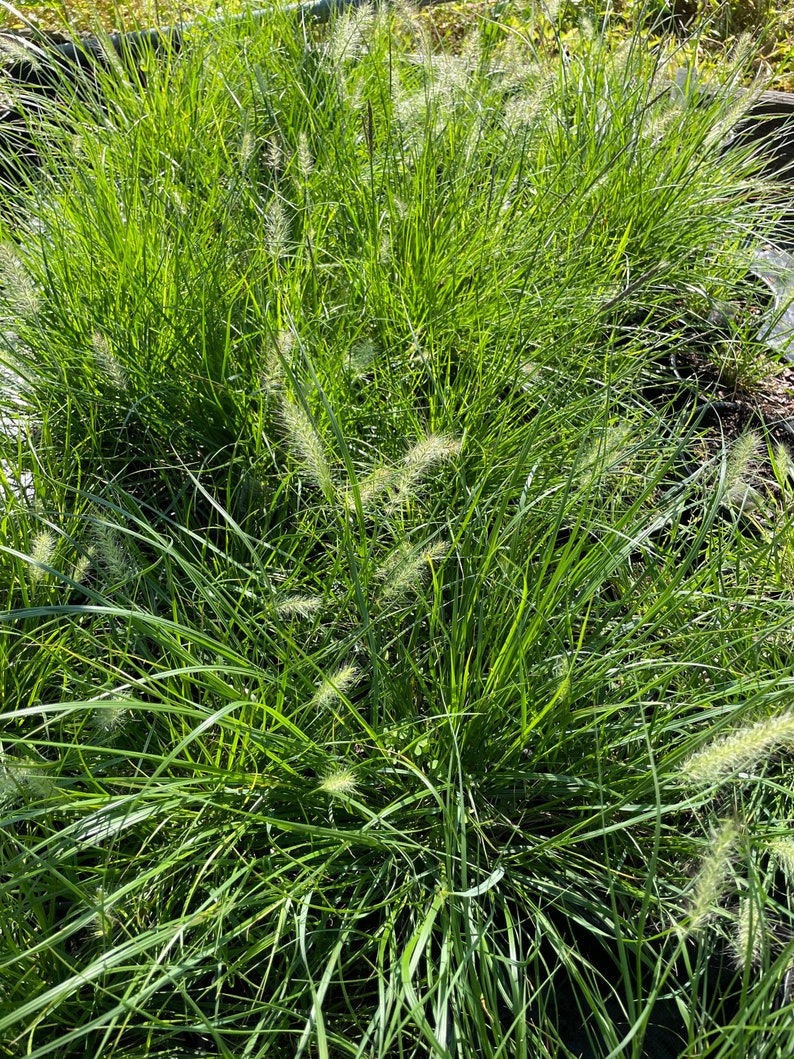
column 403, row 572
column 277, row 352
column 430, row 450
column 726, row 122
column 19, row 291
column 339, row 783
column 738, row 752
column 111, row 553
column 747, row 942
column 111, row 717
column 521, row 111
column 606, row 454
column 276, row 228
column 743, row 451
column 306, row 446
column 42, row 552
column 334, row 687
column 82, row 565
column 247, row 148
column 285, row 343
column 103, row 922
column 303, row 156
column 710, row 879
column 299, row 606
column 23, row 781
column 447, row 76
column 14, row 49
column 370, row 489
column 407, row 19
column 349, row 34
column 435, row 448
column 562, row 673
column 360, row 357
column 783, row 851
column 783, row 464
column 410, row 112
column 532, row 371
column 384, row 249
column 108, row 364
column 274, row 154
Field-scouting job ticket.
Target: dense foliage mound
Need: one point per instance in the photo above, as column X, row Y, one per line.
column 384, row 670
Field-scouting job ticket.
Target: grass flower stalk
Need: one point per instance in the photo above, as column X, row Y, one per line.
column 739, row 752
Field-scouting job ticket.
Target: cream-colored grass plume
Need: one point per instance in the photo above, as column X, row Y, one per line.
column 306, row 446
column 782, row 849
column 299, row 606
column 274, row 154
column 23, row 780
column 103, row 923
column 410, row 112
column 277, row 353
column 370, row 489
column 522, row 111
column 247, row 148
column 107, row 362
column 110, row 718
column 16, row 49
column 111, row 553
column 359, row 359
column 741, row 102
column 339, row 783
column 747, row 942
column 743, row 452
column 783, row 465
column 418, row 461
column 740, row 751
column 710, row 880
column 276, row 228
column 605, row 455
column 407, row 19
column 19, row 291
column 404, row 571
column 334, row 687
column 448, row 74
column 303, row 156
column 42, row 551
column 350, row 34
column 81, row 567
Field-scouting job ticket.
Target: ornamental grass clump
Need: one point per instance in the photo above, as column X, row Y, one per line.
column 349, row 670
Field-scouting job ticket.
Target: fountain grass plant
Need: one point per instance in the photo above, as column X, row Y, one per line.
column 381, row 674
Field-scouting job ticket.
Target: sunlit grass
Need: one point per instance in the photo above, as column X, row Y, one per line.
column 382, row 672
column 710, row 29
column 87, row 16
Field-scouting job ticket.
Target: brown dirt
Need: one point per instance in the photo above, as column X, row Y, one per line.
column 731, row 411
column 770, row 403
